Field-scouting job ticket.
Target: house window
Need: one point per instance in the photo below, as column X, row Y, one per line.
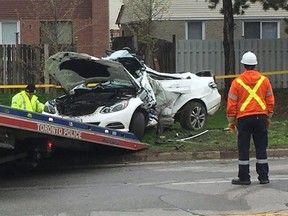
column 195, row 30
column 261, row 30
column 56, row 32
column 8, row 31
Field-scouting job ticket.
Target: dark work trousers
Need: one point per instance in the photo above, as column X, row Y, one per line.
column 254, row 126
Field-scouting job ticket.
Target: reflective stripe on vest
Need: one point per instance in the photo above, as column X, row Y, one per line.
column 24, row 102
column 252, row 93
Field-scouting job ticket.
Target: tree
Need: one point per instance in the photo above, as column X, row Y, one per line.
column 228, row 11
column 228, row 40
column 141, row 15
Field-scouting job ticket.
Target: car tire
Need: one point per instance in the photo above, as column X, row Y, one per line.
column 137, row 124
column 193, row 116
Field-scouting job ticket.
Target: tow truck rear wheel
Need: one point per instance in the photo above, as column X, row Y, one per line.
column 137, row 124
column 193, row 116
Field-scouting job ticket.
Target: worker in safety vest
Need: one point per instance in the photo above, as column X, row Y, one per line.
column 27, row 100
column 250, row 106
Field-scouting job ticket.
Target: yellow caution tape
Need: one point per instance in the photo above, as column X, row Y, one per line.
column 24, row 86
column 93, row 84
column 264, row 73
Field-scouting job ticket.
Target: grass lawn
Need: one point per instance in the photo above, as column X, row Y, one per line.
column 215, row 139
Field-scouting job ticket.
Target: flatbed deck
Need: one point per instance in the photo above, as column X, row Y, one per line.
column 18, row 125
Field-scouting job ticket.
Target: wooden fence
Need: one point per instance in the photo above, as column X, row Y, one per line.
column 195, row 55
column 163, row 56
column 22, row 64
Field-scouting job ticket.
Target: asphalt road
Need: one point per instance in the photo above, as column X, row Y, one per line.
column 161, row 188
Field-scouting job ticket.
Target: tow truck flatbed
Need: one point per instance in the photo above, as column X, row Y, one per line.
column 18, row 126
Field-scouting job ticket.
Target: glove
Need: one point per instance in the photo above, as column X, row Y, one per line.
column 232, row 126
column 268, row 122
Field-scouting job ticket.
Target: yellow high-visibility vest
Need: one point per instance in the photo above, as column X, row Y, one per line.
column 252, row 93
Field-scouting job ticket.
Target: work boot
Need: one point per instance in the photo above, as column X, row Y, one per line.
column 238, row 181
column 263, row 181
column 262, row 170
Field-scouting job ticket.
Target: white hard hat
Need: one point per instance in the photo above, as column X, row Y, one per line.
column 249, row 58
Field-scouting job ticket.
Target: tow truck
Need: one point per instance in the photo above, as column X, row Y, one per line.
column 25, row 134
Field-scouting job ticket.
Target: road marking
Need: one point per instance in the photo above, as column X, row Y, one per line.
column 259, row 214
column 222, row 181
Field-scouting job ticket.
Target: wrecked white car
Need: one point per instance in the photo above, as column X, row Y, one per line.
column 184, row 97
column 120, row 92
column 100, row 92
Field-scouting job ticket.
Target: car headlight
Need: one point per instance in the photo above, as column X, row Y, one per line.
column 115, row 108
column 49, row 108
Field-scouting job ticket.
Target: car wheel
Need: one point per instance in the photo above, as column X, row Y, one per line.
column 137, row 124
column 193, row 116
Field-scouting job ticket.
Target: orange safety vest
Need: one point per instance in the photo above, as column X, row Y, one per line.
column 250, row 94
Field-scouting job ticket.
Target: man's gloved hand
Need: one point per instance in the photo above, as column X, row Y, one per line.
column 232, row 126
column 268, row 122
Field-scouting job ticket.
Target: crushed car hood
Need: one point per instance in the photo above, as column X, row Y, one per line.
column 72, row 69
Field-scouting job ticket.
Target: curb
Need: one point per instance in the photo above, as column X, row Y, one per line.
column 182, row 156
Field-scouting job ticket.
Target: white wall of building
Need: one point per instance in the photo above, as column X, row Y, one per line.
column 114, row 8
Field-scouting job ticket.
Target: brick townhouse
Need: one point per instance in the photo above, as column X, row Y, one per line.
column 21, row 21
